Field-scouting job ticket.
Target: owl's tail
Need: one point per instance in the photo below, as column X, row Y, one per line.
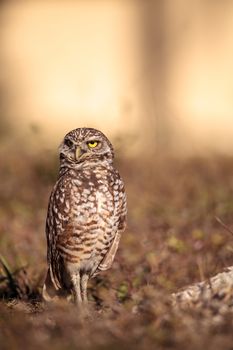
column 49, row 291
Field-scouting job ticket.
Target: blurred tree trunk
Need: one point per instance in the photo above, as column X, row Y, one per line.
column 4, row 123
column 154, row 56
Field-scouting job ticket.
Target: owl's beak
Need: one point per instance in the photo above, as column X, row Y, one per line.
column 78, row 152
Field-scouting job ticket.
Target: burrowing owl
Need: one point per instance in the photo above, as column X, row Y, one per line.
column 86, row 214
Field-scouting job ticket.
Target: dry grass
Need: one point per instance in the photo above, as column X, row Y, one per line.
column 172, row 240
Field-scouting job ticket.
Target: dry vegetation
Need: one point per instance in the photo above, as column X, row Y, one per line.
column 172, row 240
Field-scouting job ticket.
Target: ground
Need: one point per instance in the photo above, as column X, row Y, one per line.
column 172, row 240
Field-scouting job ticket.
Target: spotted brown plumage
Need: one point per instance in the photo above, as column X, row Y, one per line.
column 86, row 214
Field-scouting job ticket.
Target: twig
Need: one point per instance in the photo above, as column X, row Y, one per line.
column 224, row 225
column 9, row 275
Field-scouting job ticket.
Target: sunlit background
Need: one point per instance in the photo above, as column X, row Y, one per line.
column 157, row 77
column 157, row 74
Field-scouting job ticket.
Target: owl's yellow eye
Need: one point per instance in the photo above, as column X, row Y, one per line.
column 92, row 144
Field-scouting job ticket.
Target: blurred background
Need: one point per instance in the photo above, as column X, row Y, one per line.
column 157, row 74
column 157, row 77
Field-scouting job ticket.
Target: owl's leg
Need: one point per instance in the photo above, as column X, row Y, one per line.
column 84, row 280
column 75, row 278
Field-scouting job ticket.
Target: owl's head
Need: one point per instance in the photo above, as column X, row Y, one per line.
column 83, row 145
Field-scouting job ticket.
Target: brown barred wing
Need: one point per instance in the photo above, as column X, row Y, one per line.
column 56, row 226
column 120, row 215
